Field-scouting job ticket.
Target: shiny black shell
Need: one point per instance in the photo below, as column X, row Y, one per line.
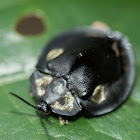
column 89, row 60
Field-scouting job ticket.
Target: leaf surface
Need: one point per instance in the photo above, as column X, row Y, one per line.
column 19, row 54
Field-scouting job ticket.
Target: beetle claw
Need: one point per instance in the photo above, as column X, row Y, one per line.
column 63, row 120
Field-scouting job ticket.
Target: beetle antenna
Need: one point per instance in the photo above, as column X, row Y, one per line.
column 23, row 100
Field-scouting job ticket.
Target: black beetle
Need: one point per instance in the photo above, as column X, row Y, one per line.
column 84, row 69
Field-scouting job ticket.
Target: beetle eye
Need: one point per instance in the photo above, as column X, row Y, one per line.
column 42, row 107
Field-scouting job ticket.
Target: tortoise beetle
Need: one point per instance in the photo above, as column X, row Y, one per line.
column 85, row 69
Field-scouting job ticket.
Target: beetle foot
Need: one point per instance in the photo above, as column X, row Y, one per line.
column 63, row 120
column 31, row 94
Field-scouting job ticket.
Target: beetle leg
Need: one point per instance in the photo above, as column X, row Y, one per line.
column 31, row 94
column 63, row 120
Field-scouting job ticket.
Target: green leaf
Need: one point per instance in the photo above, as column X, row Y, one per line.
column 19, row 55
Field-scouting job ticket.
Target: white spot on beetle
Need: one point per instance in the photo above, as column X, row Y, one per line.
column 99, row 95
column 115, row 48
column 68, row 105
column 54, row 53
column 42, row 83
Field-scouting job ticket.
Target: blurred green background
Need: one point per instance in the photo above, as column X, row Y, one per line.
column 19, row 54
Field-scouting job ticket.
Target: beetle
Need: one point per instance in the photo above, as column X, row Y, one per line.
column 84, row 69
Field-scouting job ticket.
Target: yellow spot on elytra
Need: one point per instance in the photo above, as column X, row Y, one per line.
column 115, row 48
column 54, row 53
column 42, row 83
column 68, row 105
column 99, row 94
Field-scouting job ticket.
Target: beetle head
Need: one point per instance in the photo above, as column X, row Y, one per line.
column 42, row 107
